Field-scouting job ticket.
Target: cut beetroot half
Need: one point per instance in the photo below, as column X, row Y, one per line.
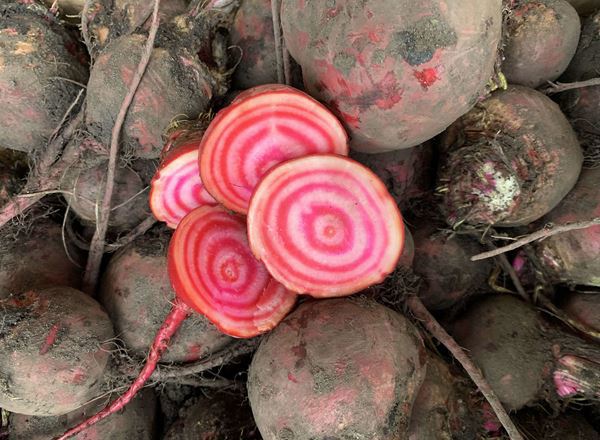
column 213, row 271
column 262, row 127
column 176, row 188
column 325, row 225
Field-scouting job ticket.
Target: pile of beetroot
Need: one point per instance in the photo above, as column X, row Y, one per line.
column 299, row 220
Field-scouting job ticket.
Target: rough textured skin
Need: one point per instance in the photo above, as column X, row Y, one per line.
column 110, row 19
column 396, row 72
column 582, row 107
column 86, row 188
column 574, row 257
column 443, row 262
column 542, row 37
column 408, row 173
column 509, row 161
column 136, row 422
column 37, row 60
column 585, row 308
column 220, row 417
column 585, row 62
column 34, row 258
column 585, row 7
column 440, row 411
column 337, row 369
column 570, row 426
column 137, row 294
column 52, row 351
column 176, row 83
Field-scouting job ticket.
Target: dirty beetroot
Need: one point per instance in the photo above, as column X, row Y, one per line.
column 299, row 220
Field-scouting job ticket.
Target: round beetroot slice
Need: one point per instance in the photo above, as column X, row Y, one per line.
column 213, row 271
column 263, row 126
column 325, row 225
column 176, row 188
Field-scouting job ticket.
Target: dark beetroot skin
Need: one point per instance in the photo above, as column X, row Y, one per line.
column 542, row 37
column 524, row 357
column 443, row 262
column 408, row 173
column 585, row 62
column 137, row 421
column 342, row 368
column 538, row 424
column 39, row 63
column 137, row 294
column 574, row 257
column 584, row 308
column 53, row 351
column 398, row 72
column 509, row 161
column 35, row 258
column 585, row 7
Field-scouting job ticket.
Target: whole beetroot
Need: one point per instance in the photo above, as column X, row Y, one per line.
column 341, row 368
column 541, row 39
column 39, row 75
column 396, row 73
column 137, row 294
column 574, row 257
column 524, row 357
column 53, row 351
column 137, row 421
column 509, row 161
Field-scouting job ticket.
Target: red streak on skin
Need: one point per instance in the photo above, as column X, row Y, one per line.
column 426, row 77
column 292, row 378
column 331, row 13
column 391, row 91
column 50, row 339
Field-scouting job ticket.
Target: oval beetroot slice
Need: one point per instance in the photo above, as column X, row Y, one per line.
column 264, row 126
column 176, row 188
column 213, row 271
column 325, row 225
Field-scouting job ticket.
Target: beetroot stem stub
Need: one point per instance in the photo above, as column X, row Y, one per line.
column 213, row 271
column 325, row 225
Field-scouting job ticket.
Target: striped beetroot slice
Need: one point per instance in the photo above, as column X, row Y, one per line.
column 176, row 188
column 325, row 225
column 213, row 271
column 262, row 127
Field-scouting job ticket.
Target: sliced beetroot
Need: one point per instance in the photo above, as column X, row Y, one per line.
column 396, row 72
column 214, row 272
column 137, row 294
column 541, row 39
column 337, row 369
column 176, row 188
column 325, row 225
column 262, row 127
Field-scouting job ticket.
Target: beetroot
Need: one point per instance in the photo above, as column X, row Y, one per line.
column 542, row 37
column 523, row 357
column 408, row 174
column 222, row 416
column 41, row 66
column 35, row 257
column 262, row 127
column 325, row 225
column 569, row 426
column 407, row 256
column 574, row 256
column 137, row 294
column 213, row 271
column 136, row 422
column 341, row 368
column 585, row 62
column 585, row 7
column 509, row 161
column 584, row 308
column 443, row 261
column 396, row 73
column 53, row 351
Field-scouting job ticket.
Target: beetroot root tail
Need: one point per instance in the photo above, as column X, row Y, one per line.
column 172, row 322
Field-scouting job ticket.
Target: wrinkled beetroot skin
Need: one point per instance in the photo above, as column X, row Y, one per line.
column 137, row 421
column 542, row 37
column 407, row 173
column 341, row 368
column 395, row 72
column 574, row 256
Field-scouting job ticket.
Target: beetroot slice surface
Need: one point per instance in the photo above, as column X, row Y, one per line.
column 325, row 225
